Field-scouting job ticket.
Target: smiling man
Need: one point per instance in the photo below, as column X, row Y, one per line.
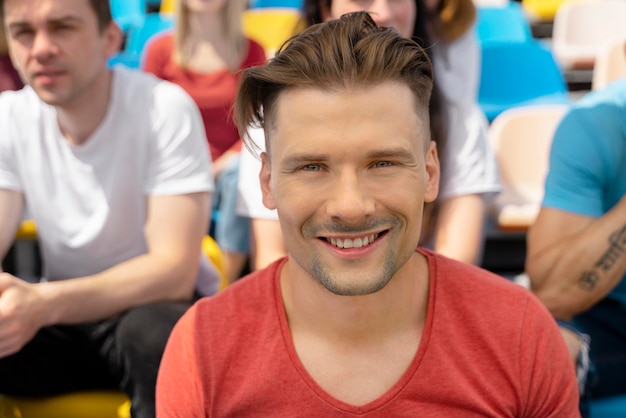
column 357, row 320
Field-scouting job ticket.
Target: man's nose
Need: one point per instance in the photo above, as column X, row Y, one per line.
column 350, row 200
column 43, row 45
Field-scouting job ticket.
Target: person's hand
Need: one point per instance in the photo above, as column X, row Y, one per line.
column 21, row 311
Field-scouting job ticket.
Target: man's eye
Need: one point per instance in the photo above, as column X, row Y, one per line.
column 60, row 28
column 311, row 167
column 383, row 164
column 22, row 33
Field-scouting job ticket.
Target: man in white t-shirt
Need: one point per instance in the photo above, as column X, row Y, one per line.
column 113, row 167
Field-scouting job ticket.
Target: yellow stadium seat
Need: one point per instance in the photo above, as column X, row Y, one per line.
column 541, row 10
column 213, row 252
column 95, row 404
column 27, row 230
column 270, row 27
column 167, row 6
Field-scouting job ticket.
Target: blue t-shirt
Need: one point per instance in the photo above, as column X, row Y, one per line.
column 587, row 173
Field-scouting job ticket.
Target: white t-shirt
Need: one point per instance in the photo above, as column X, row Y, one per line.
column 469, row 164
column 89, row 201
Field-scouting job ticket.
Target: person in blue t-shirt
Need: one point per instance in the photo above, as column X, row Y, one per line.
column 576, row 256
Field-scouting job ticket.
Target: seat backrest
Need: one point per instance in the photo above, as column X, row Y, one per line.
column 270, row 26
column 502, row 24
column 491, row 3
column 128, row 13
column 521, row 140
column 295, row 4
column 515, row 72
column 582, row 26
column 152, row 25
column 610, row 63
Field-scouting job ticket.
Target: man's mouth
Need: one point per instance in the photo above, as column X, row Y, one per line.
column 353, row 242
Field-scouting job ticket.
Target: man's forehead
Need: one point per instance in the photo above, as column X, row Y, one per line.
column 316, row 105
column 27, row 11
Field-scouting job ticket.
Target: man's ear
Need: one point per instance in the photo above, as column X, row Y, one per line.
column 431, row 160
column 113, row 38
column 265, row 177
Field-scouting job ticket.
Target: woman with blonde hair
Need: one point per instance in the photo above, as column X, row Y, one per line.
column 204, row 55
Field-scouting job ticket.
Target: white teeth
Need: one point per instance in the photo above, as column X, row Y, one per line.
column 355, row 243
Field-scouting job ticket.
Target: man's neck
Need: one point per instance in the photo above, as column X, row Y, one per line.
column 356, row 348
column 398, row 307
column 82, row 116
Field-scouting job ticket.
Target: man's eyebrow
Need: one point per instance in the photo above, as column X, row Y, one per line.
column 396, row 153
column 52, row 21
column 303, row 158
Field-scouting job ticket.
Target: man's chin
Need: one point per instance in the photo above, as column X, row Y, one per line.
column 354, row 283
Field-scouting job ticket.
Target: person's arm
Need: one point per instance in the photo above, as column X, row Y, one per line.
column 459, row 229
column 268, row 244
column 11, row 206
column 174, row 230
column 574, row 260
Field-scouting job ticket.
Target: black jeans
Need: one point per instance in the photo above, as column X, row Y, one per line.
column 123, row 352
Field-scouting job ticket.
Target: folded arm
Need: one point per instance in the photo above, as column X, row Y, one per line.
column 167, row 272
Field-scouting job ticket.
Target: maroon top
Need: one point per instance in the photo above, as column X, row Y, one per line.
column 9, row 78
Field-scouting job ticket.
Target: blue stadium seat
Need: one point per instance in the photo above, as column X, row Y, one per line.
column 502, row 24
column 614, row 407
column 295, row 4
column 138, row 37
column 128, row 13
column 516, row 74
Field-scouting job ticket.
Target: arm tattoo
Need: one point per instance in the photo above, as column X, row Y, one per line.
column 617, row 248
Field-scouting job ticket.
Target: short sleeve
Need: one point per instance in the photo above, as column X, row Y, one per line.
column 579, row 164
column 9, row 175
column 179, row 156
column 468, row 162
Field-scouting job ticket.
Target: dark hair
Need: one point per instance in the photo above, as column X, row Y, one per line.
column 101, row 8
column 340, row 54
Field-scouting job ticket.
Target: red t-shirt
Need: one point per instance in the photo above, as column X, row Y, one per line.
column 214, row 93
column 489, row 349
